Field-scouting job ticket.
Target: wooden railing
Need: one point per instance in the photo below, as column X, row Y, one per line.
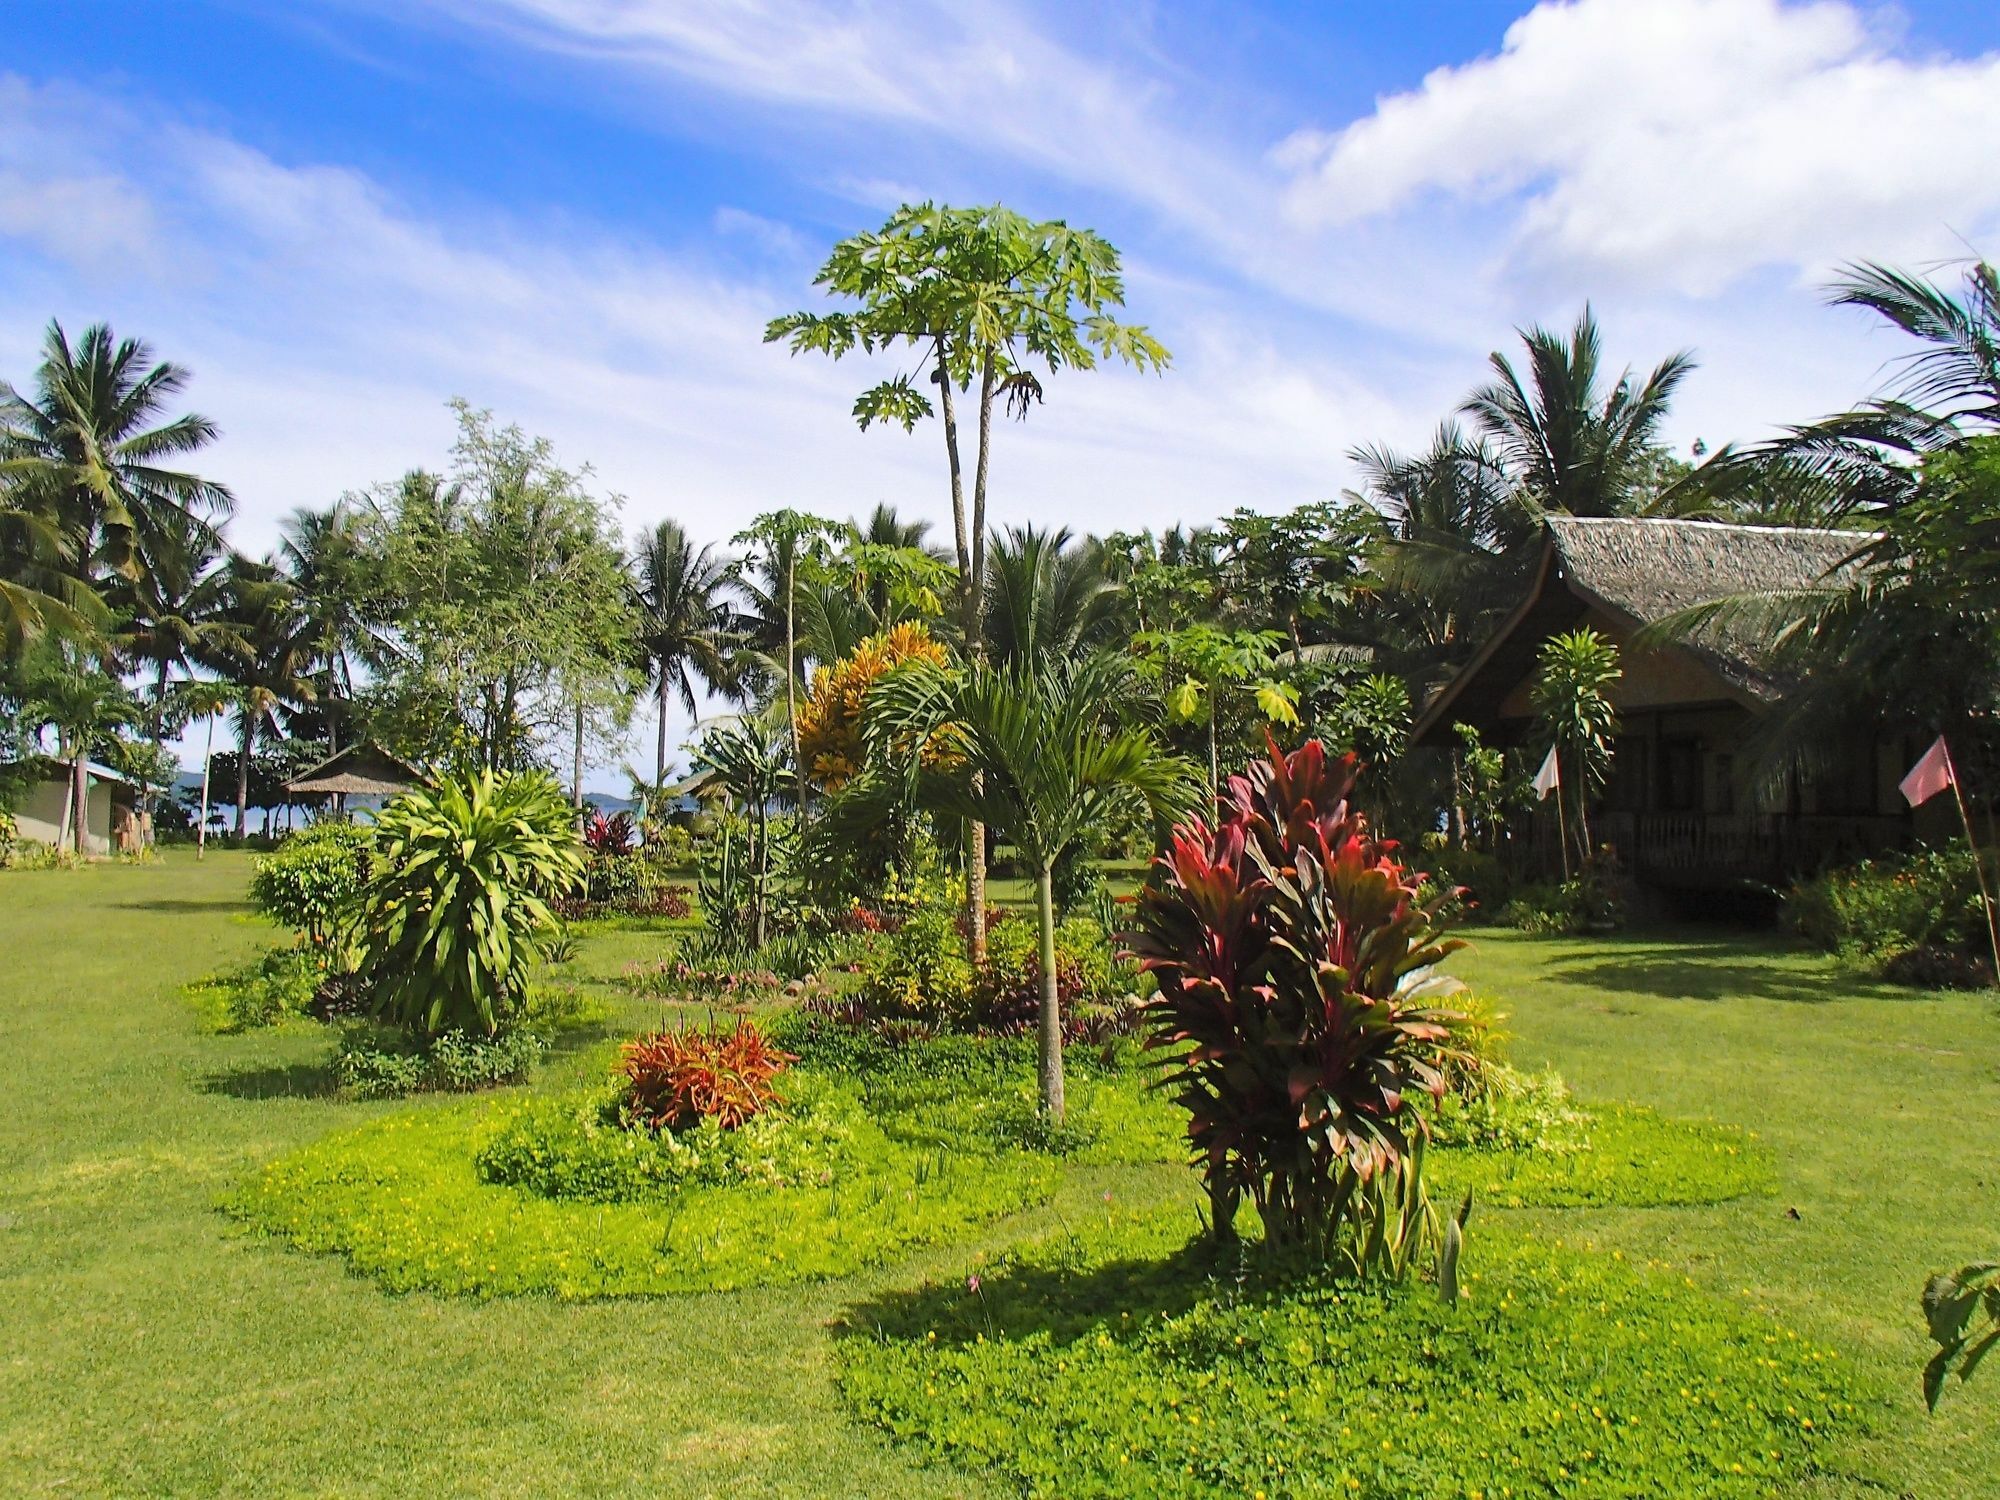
column 1767, row 846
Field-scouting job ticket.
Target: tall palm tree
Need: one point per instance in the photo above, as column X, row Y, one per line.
column 687, row 623
column 1042, row 757
column 1568, row 441
column 271, row 665
column 177, row 610
column 44, row 584
column 94, row 418
column 1046, row 598
column 320, row 553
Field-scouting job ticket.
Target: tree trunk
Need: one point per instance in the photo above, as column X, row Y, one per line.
column 1051, row 1008
column 243, row 773
column 576, row 777
column 207, row 760
column 159, row 741
column 660, row 750
column 1214, row 757
column 67, row 821
column 80, row 795
column 791, row 669
column 761, row 893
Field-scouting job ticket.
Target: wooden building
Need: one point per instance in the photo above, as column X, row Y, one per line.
column 1682, row 804
column 362, row 770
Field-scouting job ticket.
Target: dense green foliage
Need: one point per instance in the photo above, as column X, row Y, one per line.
column 1915, row 918
column 309, row 881
column 260, row 992
column 458, row 907
column 374, row 1064
column 1107, row 1364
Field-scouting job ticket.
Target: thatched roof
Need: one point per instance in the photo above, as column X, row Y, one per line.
column 1643, row 571
column 360, row 770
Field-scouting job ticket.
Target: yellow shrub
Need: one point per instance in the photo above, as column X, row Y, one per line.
column 830, row 720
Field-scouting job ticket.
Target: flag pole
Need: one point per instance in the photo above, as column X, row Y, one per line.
column 1978, row 865
column 1562, row 818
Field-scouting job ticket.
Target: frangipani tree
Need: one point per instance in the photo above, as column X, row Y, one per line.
column 1037, row 753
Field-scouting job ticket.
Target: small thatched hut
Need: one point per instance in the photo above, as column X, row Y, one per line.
column 361, row 770
column 1680, row 805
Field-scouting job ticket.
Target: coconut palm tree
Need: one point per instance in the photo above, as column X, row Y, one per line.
column 93, row 419
column 687, row 623
column 1040, row 756
column 271, row 664
column 44, row 584
column 1567, row 441
column 1046, row 598
column 320, row 554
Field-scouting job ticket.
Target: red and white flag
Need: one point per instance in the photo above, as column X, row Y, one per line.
column 1549, row 777
column 1930, row 775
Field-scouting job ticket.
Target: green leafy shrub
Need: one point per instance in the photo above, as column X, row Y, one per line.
column 270, row 988
column 376, row 1064
column 10, row 839
column 1914, row 918
column 457, row 909
column 579, row 1146
column 1292, row 959
column 309, row 881
column 1101, row 1363
column 1007, row 988
column 919, row 969
column 406, row 1201
column 1500, row 1108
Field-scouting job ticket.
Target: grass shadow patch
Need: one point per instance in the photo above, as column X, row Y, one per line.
column 299, row 1080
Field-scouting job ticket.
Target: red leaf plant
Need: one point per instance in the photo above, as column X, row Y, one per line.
column 1294, row 967
column 675, row 1079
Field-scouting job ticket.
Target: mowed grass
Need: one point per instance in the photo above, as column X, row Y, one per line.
column 152, row 1348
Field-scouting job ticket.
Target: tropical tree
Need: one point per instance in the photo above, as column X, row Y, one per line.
column 687, row 624
column 1567, row 440
column 207, row 700
column 1203, row 670
column 991, row 302
column 68, row 690
column 1571, row 697
column 269, row 659
column 322, row 556
column 44, row 583
column 500, row 599
column 749, row 764
column 779, row 542
column 1046, row 597
column 1037, row 753
column 92, row 422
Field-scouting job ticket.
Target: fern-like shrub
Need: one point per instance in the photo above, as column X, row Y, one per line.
column 458, row 907
column 1293, row 961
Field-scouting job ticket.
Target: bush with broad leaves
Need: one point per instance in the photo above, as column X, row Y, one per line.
column 1296, row 988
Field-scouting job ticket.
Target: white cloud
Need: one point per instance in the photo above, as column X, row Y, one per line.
column 1677, row 144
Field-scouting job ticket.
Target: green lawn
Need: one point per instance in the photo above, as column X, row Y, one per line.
column 154, row 1349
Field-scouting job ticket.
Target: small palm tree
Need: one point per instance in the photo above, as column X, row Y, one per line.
column 687, row 624
column 1571, row 696
column 320, row 554
column 1036, row 752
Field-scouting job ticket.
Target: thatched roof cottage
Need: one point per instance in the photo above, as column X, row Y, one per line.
column 1681, row 805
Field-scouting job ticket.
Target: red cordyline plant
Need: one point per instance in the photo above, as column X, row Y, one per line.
column 676, row 1079
column 1295, row 974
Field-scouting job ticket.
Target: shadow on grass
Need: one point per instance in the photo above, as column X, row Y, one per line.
column 1118, row 1298
column 187, row 904
column 1682, row 969
column 277, row 1081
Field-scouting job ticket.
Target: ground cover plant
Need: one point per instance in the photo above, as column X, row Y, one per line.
column 282, row 1371
column 484, row 1200
column 1107, row 1362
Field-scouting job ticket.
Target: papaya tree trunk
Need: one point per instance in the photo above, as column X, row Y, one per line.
column 1051, row 1008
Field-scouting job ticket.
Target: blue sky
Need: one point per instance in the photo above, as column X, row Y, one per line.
column 580, row 212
